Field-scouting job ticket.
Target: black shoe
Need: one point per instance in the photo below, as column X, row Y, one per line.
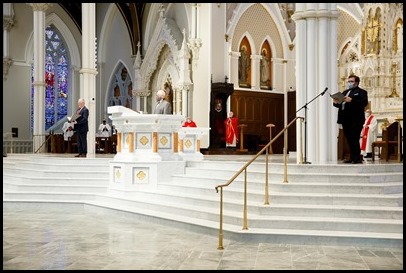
column 347, row 161
column 357, row 162
column 368, row 156
column 78, row 155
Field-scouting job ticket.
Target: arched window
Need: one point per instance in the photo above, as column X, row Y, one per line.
column 56, row 78
column 121, row 88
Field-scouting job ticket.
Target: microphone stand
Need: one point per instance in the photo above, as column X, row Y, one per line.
column 305, row 124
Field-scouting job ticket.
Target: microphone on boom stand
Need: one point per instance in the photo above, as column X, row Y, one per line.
column 305, row 124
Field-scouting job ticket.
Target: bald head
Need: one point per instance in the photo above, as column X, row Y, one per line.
column 160, row 95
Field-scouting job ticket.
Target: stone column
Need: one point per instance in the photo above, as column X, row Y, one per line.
column 39, row 75
column 89, row 71
column 316, row 54
column 255, row 71
column 234, row 67
column 8, row 23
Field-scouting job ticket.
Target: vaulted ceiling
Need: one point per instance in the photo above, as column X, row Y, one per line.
column 132, row 14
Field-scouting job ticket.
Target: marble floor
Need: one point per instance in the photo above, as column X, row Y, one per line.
column 46, row 238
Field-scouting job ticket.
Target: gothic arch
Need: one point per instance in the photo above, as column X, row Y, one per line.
column 164, row 34
column 123, row 95
column 105, row 32
column 280, row 38
column 73, row 49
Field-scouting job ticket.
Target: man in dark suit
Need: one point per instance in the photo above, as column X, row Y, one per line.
column 351, row 116
column 82, row 127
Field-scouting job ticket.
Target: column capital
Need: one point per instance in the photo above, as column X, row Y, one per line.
column 256, row 57
column 40, row 6
column 7, row 62
column 39, row 84
column 234, row 54
column 8, row 22
column 141, row 93
column 88, row 71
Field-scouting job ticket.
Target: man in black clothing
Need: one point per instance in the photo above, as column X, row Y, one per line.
column 82, row 127
column 351, row 116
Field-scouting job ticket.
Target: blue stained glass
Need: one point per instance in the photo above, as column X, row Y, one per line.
column 55, row 44
column 56, row 79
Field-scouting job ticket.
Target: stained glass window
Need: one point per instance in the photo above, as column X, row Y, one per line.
column 56, row 78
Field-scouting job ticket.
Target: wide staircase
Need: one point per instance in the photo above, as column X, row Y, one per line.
column 329, row 204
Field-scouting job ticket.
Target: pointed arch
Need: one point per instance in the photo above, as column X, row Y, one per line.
column 120, row 87
column 244, row 62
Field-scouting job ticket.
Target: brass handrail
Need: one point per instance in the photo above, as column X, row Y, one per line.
column 244, row 168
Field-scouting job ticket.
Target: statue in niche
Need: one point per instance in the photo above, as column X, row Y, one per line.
column 399, row 37
column 264, row 69
column 243, row 66
column 373, row 32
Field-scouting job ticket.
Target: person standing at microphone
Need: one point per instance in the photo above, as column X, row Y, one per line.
column 351, row 116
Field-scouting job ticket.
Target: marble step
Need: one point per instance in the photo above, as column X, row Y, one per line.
column 57, row 179
column 66, row 187
column 265, row 235
column 57, row 174
column 287, row 197
column 234, row 217
column 255, row 221
column 259, row 165
column 297, row 177
column 192, row 181
column 336, row 204
column 62, row 166
column 327, row 198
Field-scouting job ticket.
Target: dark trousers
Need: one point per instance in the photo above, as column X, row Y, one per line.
column 352, row 132
column 82, row 143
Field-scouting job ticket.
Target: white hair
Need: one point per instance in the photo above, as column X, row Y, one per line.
column 161, row 93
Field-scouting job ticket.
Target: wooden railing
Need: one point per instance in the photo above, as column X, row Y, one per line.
column 244, row 169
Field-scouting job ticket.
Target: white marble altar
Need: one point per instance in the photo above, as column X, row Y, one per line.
column 189, row 142
column 148, row 148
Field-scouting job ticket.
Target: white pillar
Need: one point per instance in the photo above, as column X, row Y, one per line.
column 39, row 74
column 89, row 71
column 333, row 87
column 234, row 67
column 316, row 69
column 311, row 67
column 300, row 76
column 8, row 23
column 255, row 71
column 323, row 102
column 195, row 20
column 185, row 102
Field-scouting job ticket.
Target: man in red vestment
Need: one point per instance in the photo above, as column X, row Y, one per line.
column 231, row 130
column 368, row 134
column 189, row 123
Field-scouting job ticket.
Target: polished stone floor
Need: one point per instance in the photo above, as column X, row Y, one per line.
column 60, row 238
